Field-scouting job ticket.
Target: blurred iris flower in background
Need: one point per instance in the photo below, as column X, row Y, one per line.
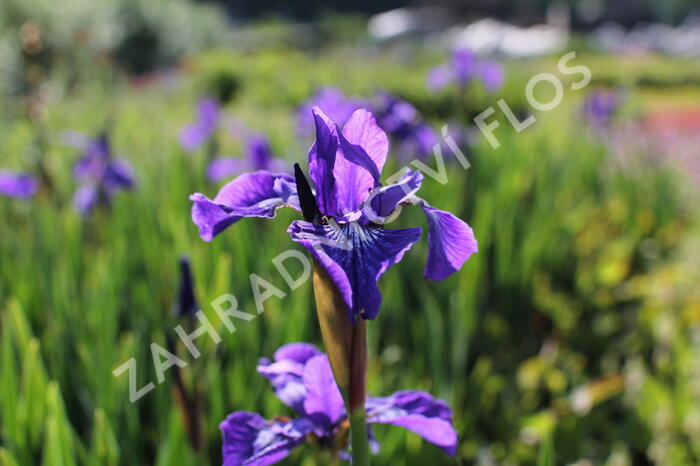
column 200, row 131
column 465, row 68
column 100, row 174
column 334, row 103
column 600, row 107
column 19, row 185
column 257, row 156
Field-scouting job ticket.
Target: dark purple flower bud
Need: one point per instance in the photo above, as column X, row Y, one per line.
column 186, row 304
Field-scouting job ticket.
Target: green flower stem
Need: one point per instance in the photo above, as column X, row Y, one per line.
column 358, row 438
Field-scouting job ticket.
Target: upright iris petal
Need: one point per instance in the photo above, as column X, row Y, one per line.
column 322, row 160
column 323, row 401
column 355, row 180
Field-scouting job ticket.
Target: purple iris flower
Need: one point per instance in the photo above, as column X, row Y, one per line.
column 599, row 108
column 302, row 379
column 334, row 103
column 258, row 156
column 101, row 175
column 342, row 227
column 404, row 125
column 19, row 185
column 463, row 69
column 197, row 133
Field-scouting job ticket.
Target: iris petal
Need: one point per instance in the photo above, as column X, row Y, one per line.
column 355, row 256
column 450, row 243
column 322, row 160
column 418, row 412
column 287, row 371
column 257, row 194
column 251, row 440
column 355, row 177
column 323, row 400
column 384, row 201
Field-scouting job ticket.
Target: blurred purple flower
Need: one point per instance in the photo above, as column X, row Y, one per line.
column 600, row 106
column 402, row 122
column 334, row 103
column 100, row 174
column 463, row 69
column 19, row 185
column 197, row 133
column 257, row 156
column 340, row 228
column 303, row 380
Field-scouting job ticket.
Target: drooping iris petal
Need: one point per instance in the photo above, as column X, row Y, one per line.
column 257, row 194
column 248, row 439
column 418, row 412
column 323, row 402
column 491, row 75
column 439, row 77
column 387, row 198
column 450, row 243
column 19, row 185
column 354, row 178
column 286, row 373
column 355, row 257
column 322, row 159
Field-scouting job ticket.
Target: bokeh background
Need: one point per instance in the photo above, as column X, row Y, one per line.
column 571, row 338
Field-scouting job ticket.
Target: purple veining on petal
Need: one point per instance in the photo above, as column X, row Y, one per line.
column 251, row 440
column 355, row 256
column 418, row 412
